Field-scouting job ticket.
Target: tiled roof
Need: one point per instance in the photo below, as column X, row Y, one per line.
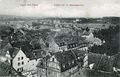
column 39, row 53
column 28, row 51
column 13, row 52
column 68, row 57
column 64, row 58
column 33, row 54
column 65, row 39
column 79, row 53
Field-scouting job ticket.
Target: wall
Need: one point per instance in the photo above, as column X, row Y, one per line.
column 19, row 56
column 53, row 47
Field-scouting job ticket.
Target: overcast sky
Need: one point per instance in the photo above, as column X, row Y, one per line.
column 50, row 8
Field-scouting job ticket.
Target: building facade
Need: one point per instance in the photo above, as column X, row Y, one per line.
column 61, row 64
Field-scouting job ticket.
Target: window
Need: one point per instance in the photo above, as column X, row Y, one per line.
column 22, row 63
column 18, row 58
column 21, row 58
column 18, row 69
column 52, row 59
column 41, row 63
column 18, row 64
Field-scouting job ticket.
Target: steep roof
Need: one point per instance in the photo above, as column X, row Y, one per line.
column 33, row 54
column 28, row 51
column 64, row 57
column 67, row 57
column 13, row 52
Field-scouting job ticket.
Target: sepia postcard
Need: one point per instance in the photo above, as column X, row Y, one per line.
column 59, row 38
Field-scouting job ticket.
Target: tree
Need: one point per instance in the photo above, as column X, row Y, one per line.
column 6, row 31
column 111, row 37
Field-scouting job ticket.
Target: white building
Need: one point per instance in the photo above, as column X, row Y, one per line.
column 21, row 62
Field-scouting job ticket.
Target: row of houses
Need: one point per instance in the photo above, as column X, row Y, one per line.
column 65, row 54
column 24, row 61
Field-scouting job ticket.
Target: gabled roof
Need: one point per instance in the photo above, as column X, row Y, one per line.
column 33, row 54
column 67, row 57
column 28, row 51
column 13, row 51
column 64, row 57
